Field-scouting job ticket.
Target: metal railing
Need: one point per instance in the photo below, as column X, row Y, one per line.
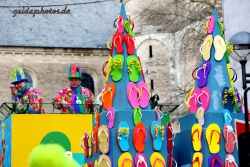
column 8, row 108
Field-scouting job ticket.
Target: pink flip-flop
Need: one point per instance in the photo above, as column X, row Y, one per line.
column 145, row 94
column 133, row 94
column 111, row 117
column 120, row 25
column 193, row 100
column 210, row 25
column 204, row 98
column 140, row 160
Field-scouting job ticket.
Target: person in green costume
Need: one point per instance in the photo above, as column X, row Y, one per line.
column 74, row 99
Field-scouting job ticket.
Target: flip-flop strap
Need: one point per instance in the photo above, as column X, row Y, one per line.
column 196, row 130
column 192, row 97
column 226, row 114
column 172, row 131
column 140, row 161
column 174, row 161
column 148, row 92
column 130, row 92
column 108, row 42
column 204, row 66
column 207, row 44
column 138, row 110
column 193, row 73
column 203, row 92
column 159, row 113
column 211, row 136
column 200, row 113
column 115, row 22
column 234, row 78
column 103, row 68
column 101, row 160
column 111, row 116
column 216, row 159
column 106, row 91
column 132, row 40
column 187, row 96
column 127, row 159
column 105, row 133
column 145, row 134
column 158, row 159
column 196, row 160
column 115, row 40
column 92, row 137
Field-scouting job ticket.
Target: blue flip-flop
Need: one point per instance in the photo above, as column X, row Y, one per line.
column 227, row 116
column 123, row 136
column 156, row 135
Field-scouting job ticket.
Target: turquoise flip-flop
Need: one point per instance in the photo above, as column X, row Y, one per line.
column 123, row 136
column 157, row 135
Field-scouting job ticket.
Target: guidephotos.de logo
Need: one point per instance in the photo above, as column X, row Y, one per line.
column 33, row 12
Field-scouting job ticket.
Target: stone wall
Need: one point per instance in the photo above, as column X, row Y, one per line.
column 48, row 68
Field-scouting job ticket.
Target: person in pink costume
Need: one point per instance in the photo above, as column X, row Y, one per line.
column 28, row 100
column 74, row 99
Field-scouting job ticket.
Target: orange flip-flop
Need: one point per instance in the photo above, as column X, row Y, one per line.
column 108, row 95
column 139, row 137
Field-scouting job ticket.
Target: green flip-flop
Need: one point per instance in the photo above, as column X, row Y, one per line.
column 116, row 67
column 134, row 68
column 128, row 29
column 137, row 115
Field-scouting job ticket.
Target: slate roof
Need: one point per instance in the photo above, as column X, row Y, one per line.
column 88, row 25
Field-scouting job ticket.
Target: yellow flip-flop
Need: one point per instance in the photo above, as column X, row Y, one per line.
column 213, row 137
column 206, row 47
column 197, row 159
column 90, row 144
column 108, row 70
column 196, row 136
column 220, row 47
column 104, row 161
column 125, row 160
column 157, row 160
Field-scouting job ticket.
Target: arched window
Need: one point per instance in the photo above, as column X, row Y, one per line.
column 88, row 82
column 30, row 81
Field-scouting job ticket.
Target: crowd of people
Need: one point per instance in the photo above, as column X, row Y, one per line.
column 74, row 99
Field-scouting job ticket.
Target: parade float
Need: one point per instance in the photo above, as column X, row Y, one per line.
column 127, row 132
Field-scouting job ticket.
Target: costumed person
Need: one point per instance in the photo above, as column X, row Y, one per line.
column 28, row 99
column 51, row 155
column 74, row 99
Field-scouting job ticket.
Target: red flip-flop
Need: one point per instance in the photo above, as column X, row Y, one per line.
column 139, row 137
column 117, row 41
column 170, row 137
column 130, row 43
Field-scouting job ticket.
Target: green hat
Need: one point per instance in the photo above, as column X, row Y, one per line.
column 74, row 71
column 17, row 75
